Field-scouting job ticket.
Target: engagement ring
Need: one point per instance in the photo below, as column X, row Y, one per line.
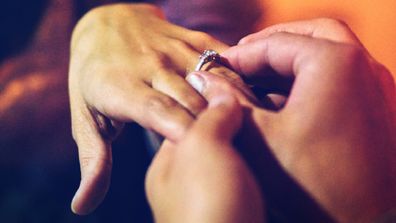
column 206, row 57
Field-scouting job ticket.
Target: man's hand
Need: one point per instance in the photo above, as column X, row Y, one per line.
column 336, row 132
column 127, row 64
column 202, row 178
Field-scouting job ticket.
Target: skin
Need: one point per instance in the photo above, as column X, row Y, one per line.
column 128, row 65
column 223, row 188
column 335, row 134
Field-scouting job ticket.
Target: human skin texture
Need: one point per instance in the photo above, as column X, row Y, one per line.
column 128, row 65
column 335, row 134
column 202, row 177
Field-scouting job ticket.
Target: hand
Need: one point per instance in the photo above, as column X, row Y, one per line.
column 202, row 178
column 335, row 134
column 127, row 64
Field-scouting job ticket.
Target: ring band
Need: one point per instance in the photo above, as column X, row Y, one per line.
column 206, row 57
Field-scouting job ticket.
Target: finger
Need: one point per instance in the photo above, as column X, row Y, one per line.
column 323, row 28
column 95, row 162
column 285, row 53
column 220, row 122
column 177, row 88
column 151, row 109
column 316, row 65
column 183, row 56
column 210, row 86
column 201, row 41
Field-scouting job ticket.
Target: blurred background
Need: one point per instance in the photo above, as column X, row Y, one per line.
column 372, row 21
column 39, row 170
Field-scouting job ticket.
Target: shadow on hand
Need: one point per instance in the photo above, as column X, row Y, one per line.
column 285, row 199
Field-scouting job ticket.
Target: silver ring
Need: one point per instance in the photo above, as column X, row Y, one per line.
column 206, row 57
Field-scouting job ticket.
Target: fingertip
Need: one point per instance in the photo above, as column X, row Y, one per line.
column 244, row 40
column 173, row 127
column 78, row 208
column 73, row 205
column 94, row 184
column 86, row 199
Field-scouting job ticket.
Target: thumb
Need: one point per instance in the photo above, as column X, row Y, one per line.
column 212, row 86
column 220, row 122
column 95, row 163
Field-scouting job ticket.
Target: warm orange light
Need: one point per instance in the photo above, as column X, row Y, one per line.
column 373, row 21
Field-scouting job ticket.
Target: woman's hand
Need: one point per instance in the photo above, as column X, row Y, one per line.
column 336, row 132
column 128, row 64
column 202, row 178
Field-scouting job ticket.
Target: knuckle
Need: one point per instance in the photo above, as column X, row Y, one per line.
column 98, row 20
column 195, row 104
column 346, row 54
column 204, row 39
column 339, row 28
column 384, row 75
column 178, row 44
column 159, row 103
column 352, row 59
column 75, row 134
column 91, row 17
column 353, row 55
column 281, row 35
column 159, row 171
column 104, row 11
column 160, row 61
column 88, row 23
column 96, row 13
column 331, row 22
column 203, row 36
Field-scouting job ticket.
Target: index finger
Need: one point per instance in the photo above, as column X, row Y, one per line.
column 314, row 64
column 219, row 122
column 322, row 28
column 285, row 53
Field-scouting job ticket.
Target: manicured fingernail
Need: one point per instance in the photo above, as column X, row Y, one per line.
column 221, row 100
column 196, row 82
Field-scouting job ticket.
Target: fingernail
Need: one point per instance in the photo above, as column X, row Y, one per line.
column 221, row 100
column 196, row 82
